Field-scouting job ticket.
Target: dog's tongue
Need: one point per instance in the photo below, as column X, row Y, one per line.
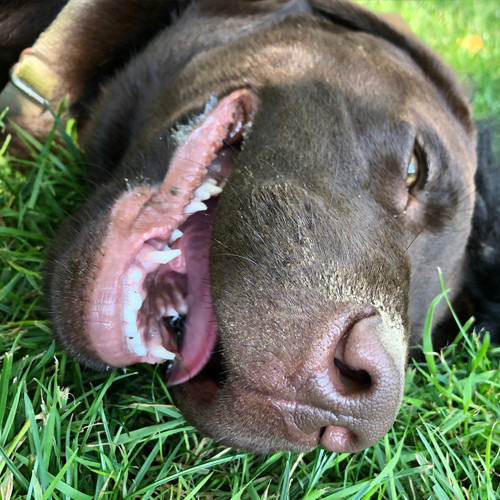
column 201, row 326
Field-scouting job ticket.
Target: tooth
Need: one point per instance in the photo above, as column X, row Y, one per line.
column 206, row 191
column 194, row 206
column 129, row 316
column 162, row 256
column 129, row 328
column 135, row 300
column 176, row 234
column 214, row 190
column 161, row 352
column 134, row 275
column 140, row 350
column 183, row 309
column 212, row 181
column 171, row 312
column 134, row 343
column 201, row 193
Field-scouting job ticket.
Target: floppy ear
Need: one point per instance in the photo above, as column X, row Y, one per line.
column 83, row 46
column 385, row 26
column 483, row 251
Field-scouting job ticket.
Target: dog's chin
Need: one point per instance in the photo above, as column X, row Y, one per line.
column 204, row 389
column 240, row 417
column 247, row 417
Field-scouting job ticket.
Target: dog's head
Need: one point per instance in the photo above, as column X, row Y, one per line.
column 319, row 164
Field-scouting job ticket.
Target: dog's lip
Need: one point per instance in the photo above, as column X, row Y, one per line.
column 298, row 419
column 304, row 426
column 143, row 214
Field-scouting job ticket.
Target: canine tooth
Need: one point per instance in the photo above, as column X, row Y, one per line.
column 161, row 352
column 176, row 234
column 194, row 206
column 211, row 180
column 162, row 256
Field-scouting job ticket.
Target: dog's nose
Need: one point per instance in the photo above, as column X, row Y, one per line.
column 356, row 378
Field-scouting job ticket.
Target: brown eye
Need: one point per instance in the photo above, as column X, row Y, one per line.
column 415, row 173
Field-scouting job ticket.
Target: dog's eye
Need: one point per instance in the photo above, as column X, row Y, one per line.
column 415, row 173
column 412, row 172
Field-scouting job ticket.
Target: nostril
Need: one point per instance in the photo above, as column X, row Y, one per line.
column 359, row 382
column 352, row 380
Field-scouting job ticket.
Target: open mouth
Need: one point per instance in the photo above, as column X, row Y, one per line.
column 150, row 299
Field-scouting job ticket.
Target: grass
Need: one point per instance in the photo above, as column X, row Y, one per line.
column 67, row 432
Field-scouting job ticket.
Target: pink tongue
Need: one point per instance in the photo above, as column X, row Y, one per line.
column 200, row 331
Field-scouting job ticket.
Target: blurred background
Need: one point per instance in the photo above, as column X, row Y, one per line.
column 466, row 33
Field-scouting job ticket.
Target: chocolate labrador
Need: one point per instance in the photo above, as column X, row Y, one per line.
column 278, row 182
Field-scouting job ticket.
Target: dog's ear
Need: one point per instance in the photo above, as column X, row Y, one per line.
column 483, row 251
column 357, row 18
column 397, row 22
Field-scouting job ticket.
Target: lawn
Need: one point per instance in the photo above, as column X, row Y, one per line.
column 68, row 432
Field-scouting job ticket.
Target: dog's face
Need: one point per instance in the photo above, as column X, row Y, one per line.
column 318, row 176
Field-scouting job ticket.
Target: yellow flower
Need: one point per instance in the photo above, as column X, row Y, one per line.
column 471, row 43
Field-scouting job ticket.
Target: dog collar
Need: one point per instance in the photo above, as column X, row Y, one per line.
column 33, row 77
column 36, row 80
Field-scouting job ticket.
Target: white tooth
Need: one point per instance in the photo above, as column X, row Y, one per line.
column 134, row 275
column 129, row 316
column 161, row 352
column 214, row 189
column 194, row 206
column 206, row 191
column 138, row 349
column 130, row 329
column 212, row 181
column 183, row 309
column 134, row 343
column 176, row 234
column 162, row 256
column 201, row 193
column 135, row 300
column 171, row 312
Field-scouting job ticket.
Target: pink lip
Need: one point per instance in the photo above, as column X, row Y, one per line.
column 152, row 213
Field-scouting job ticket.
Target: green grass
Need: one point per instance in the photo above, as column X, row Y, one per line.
column 67, row 432
column 443, row 25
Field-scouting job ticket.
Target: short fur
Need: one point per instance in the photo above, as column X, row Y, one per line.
column 315, row 218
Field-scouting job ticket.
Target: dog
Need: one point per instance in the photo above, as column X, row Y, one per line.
column 278, row 181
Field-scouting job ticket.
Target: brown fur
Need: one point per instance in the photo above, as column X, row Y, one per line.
column 314, row 227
